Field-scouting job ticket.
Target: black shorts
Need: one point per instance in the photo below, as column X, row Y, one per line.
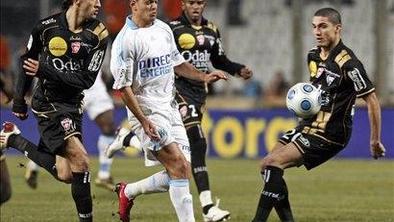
column 191, row 111
column 57, row 125
column 315, row 150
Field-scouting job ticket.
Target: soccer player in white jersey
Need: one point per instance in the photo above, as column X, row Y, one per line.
column 143, row 59
column 99, row 106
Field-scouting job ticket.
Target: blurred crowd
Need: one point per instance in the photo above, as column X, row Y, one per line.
column 13, row 40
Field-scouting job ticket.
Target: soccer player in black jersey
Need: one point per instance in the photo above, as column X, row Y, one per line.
column 65, row 52
column 342, row 78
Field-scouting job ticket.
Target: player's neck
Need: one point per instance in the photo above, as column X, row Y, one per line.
column 74, row 20
column 141, row 23
column 194, row 22
column 325, row 51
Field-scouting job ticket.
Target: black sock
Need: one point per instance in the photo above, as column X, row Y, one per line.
column 80, row 190
column 282, row 207
column 126, row 140
column 44, row 159
column 270, row 194
column 202, row 180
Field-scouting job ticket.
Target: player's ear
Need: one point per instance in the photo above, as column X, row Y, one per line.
column 338, row 28
column 183, row 4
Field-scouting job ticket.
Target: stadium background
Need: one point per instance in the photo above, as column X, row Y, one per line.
column 272, row 37
column 243, row 119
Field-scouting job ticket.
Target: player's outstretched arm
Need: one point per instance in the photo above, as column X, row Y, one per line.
column 131, row 102
column 374, row 114
column 187, row 70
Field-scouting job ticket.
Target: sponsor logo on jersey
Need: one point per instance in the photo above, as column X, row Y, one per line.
column 70, row 65
column 198, row 59
column 75, row 46
column 312, row 68
column 186, row 41
column 358, row 80
column 48, row 21
column 304, row 141
column 96, row 61
column 155, row 66
column 57, row 46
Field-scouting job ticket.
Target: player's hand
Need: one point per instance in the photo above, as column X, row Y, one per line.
column 150, row 129
column 21, row 116
column 377, row 150
column 215, row 76
column 245, row 73
column 31, row 66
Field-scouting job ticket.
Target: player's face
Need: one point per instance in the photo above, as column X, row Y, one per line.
column 193, row 9
column 325, row 32
column 89, row 8
column 146, row 10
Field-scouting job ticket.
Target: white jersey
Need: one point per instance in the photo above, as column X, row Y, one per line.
column 97, row 100
column 144, row 58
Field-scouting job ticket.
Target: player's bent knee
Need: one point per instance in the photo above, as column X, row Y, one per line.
column 268, row 161
column 65, row 177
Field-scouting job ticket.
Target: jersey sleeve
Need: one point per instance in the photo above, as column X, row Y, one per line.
column 219, row 59
column 23, row 81
column 122, row 63
column 176, row 56
column 80, row 79
column 356, row 73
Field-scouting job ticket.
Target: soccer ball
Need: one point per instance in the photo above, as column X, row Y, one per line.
column 304, row 100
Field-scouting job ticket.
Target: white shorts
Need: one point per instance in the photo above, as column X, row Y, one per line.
column 97, row 100
column 170, row 127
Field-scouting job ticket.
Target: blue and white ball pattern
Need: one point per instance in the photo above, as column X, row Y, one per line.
column 304, row 100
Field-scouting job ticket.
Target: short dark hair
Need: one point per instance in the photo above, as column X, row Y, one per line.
column 332, row 15
column 66, row 4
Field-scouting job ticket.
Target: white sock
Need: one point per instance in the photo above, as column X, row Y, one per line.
column 105, row 162
column 32, row 166
column 206, row 198
column 157, row 183
column 182, row 199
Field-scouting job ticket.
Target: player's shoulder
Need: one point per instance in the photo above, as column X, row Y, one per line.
column 52, row 20
column 211, row 25
column 163, row 26
column 176, row 23
column 314, row 53
column 97, row 28
column 345, row 57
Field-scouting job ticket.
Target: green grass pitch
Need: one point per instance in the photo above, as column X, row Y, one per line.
column 340, row 190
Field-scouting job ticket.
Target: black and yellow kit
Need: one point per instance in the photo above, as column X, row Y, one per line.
column 69, row 64
column 199, row 45
column 342, row 78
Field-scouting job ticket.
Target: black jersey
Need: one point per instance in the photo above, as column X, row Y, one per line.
column 69, row 62
column 342, row 78
column 200, row 45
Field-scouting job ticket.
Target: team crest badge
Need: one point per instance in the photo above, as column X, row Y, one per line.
column 75, row 46
column 329, row 79
column 200, row 39
column 319, row 72
column 183, row 111
column 67, row 124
